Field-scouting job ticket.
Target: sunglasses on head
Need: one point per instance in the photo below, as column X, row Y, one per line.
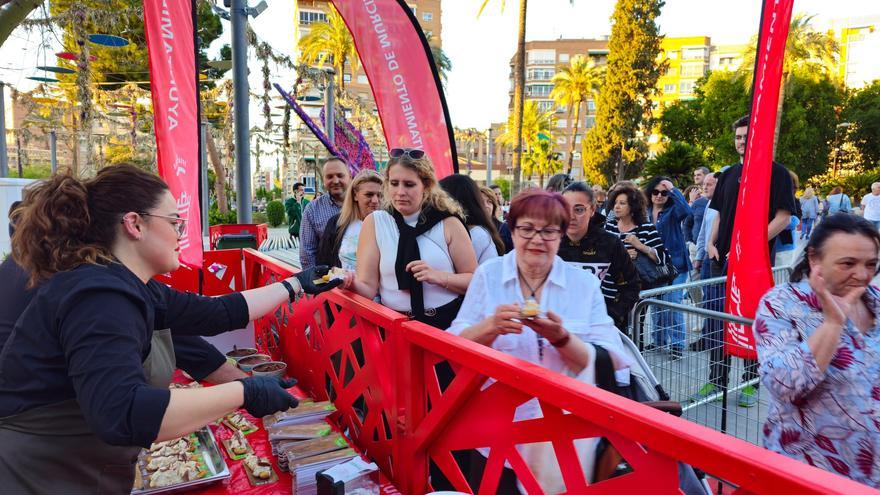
column 658, row 192
column 412, row 153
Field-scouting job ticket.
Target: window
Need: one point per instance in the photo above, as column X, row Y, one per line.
column 672, row 55
column 591, row 106
column 686, row 87
column 346, row 77
column 539, row 90
column 563, row 57
column 307, row 17
column 672, row 71
column 576, row 155
column 578, row 138
column 693, row 70
column 427, row 16
column 669, row 88
column 563, row 123
column 542, row 57
column 545, row 105
column 693, row 53
column 589, row 122
column 362, row 79
column 561, row 140
column 540, row 74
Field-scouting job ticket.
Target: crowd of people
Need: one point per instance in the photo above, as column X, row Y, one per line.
column 550, row 277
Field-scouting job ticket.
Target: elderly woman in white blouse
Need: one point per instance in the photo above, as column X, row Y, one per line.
column 571, row 314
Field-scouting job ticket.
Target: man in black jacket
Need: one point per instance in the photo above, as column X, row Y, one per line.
column 588, row 246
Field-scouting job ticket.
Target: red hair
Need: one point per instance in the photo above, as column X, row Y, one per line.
column 539, row 203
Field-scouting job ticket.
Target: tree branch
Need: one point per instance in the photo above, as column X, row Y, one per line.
column 12, row 13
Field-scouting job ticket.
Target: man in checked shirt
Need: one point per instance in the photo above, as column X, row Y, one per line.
column 317, row 213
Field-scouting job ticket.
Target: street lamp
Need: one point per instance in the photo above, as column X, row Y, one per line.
column 844, row 125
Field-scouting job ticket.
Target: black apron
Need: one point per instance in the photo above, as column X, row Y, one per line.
column 51, row 449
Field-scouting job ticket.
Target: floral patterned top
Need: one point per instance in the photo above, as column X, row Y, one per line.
column 829, row 419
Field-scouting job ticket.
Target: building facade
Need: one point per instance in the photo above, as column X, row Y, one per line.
column 859, row 39
column 543, row 60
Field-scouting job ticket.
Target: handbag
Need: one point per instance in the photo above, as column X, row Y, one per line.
column 654, row 274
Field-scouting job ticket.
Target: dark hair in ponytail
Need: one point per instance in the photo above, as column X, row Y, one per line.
column 843, row 223
column 64, row 222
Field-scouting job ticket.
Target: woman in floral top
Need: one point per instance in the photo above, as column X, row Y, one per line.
column 819, row 348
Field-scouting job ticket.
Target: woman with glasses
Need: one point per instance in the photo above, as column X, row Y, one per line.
column 74, row 398
column 416, row 253
column 338, row 246
column 484, row 236
column 571, row 314
column 639, row 236
column 588, row 246
column 667, row 209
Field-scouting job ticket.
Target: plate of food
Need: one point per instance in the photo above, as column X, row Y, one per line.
column 237, row 446
column 259, row 470
column 236, row 421
column 179, row 464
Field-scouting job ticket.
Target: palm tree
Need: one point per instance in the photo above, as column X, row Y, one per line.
column 572, row 86
column 542, row 160
column 806, row 51
column 535, row 125
column 441, row 61
column 519, row 83
column 330, row 40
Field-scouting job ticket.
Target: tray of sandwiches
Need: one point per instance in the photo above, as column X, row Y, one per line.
column 180, row 464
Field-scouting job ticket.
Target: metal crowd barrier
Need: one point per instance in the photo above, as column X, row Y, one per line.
column 685, row 379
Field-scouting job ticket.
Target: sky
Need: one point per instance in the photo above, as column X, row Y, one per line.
column 481, row 48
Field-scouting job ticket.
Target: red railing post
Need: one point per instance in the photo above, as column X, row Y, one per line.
column 413, row 474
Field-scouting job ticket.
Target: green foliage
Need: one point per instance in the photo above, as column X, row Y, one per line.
column 677, row 161
column 277, row 193
column 809, row 118
column 624, row 103
column 217, row 218
column 723, row 97
column 572, row 85
column 542, row 161
column 534, row 124
column 863, row 112
column 275, row 213
column 262, row 193
column 36, row 171
column 329, row 42
column 680, row 121
column 806, row 50
column 259, row 217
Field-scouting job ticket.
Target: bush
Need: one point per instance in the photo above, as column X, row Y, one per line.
column 259, row 217
column 275, row 213
column 217, row 218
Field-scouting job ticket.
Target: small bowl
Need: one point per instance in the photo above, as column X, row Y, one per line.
column 272, row 368
column 247, row 363
column 241, row 352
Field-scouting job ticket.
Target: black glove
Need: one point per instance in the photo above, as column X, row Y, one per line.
column 307, row 280
column 264, row 395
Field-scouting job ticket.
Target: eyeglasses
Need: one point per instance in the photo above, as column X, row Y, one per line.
column 547, row 233
column 178, row 223
column 412, row 153
column 579, row 210
column 658, row 192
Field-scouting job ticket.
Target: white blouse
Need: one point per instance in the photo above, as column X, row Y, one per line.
column 484, row 247
column 571, row 293
column 433, row 250
column 349, row 244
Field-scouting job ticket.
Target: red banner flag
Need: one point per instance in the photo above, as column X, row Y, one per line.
column 168, row 26
column 749, row 275
column 397, row 60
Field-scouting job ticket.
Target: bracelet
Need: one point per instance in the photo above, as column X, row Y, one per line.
column 563, row 341
column 290, row 292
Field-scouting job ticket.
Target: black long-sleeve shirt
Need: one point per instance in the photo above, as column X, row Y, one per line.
column 85, row 335
column 604, row 255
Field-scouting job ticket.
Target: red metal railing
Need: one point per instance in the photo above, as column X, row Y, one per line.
column 260, row 231
column 378, row 368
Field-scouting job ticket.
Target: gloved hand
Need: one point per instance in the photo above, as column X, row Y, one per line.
column 307, row 279
column 264, row 395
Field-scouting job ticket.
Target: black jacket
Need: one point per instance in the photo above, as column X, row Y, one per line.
column 328, row 248
column 603, row 254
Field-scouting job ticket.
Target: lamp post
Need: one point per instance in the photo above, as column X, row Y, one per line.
column 844, row 125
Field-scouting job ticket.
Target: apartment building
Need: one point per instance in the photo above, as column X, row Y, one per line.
column 688, row 60
column 859, row 39
column 543, row 58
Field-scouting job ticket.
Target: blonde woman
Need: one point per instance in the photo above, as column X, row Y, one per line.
column 809, row 212
column 415, row 253
column 338, row 246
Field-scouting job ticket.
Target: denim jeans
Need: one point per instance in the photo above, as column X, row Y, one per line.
column 669, row 327
column 807, row 227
